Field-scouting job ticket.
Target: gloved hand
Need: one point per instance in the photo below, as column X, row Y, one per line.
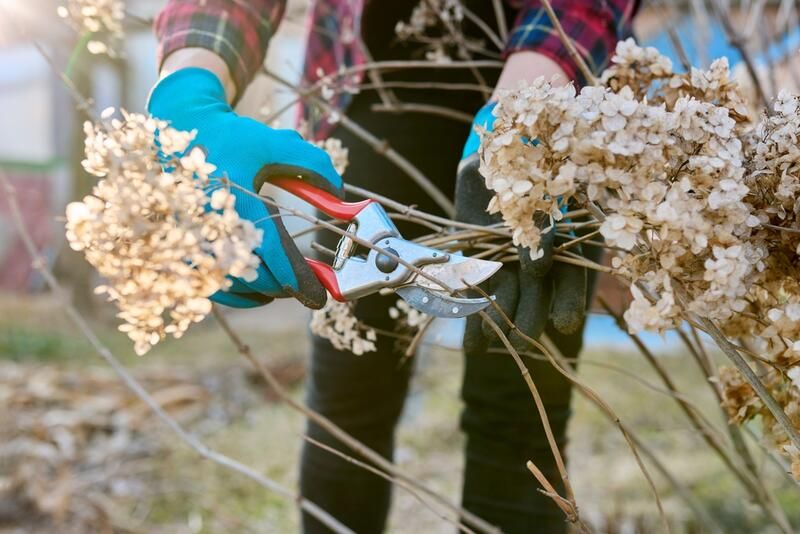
column 530, row 293
column 249, row 153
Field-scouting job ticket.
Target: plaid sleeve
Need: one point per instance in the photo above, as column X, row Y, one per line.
column 236, row 30
column 595, row 26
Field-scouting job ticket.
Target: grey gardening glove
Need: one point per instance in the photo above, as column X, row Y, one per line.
column 531, row 293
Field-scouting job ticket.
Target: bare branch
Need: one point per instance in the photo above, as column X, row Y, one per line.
column 551, row 440
column 411, row 107
column 569, row 44
column 738, row 42
column 500, row 15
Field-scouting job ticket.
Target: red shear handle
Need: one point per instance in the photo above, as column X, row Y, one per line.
column 327, row 277
column 322, row 200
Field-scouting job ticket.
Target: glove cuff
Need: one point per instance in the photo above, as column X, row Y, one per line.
column 186, row 88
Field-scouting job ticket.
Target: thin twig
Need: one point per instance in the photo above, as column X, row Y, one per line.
column 444, row 86
column 550, row 491
column 409, row 210
column 500, row 16
column 577, row 241
column 463, row 47
column 549, row 349
column 737, row 41
column 387, row 96
column 734, row 432
column 569, row 44
column 678, row 487
column 422, row 222
column 674, row 38
column 417, row 339
column 394, row 65
column 81, row 102
column 411, row 107
column 583, row 263
column 551, row 440
column 484, row 27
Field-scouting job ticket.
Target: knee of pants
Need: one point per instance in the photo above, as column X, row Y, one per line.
column 362, row 394
column 499, row 406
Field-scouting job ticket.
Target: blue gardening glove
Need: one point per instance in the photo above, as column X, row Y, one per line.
column 249, row 153
column 531, row 293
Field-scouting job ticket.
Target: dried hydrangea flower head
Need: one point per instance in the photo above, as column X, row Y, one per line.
column 336, row 323
column 102, row 19
column 666, row 167
column 694, row 195
column 163, row 244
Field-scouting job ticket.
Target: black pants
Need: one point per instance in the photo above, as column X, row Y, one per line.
column 365, row 394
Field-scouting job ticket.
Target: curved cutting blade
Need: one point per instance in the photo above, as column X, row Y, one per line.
column 439, row 304
column 458, row 273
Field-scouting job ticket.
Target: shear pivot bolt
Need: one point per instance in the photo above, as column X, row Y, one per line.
column 386, row 264
column 455, row 310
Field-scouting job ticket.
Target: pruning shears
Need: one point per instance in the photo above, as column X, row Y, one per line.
column 360, row 270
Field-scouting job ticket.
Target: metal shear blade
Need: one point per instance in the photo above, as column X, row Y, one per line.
column 441, row 305
column 458, row 273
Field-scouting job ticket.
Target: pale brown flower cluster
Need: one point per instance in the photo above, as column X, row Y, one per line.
column 700, row 201
column 338, row 153
column 429, row 14
column 408, row 318
column 100, row 18
column 151, row 230
column 436, row 24
column 336, row 323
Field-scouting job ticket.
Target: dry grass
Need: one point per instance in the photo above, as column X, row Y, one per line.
column 186, row 495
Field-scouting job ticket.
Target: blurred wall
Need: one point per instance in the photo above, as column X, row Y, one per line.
column 40, row 141
column 31, row 158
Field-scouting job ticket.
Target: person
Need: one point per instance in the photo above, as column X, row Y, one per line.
column 210, row 51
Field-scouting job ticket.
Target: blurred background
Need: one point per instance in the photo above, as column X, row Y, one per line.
column 78, row 453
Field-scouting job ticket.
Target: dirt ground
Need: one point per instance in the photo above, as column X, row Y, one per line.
column 126, row 473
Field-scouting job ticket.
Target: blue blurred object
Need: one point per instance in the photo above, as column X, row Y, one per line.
column 718, row 45
column 485, row 119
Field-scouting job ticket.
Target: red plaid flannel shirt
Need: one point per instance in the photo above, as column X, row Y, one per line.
column 239, row 31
